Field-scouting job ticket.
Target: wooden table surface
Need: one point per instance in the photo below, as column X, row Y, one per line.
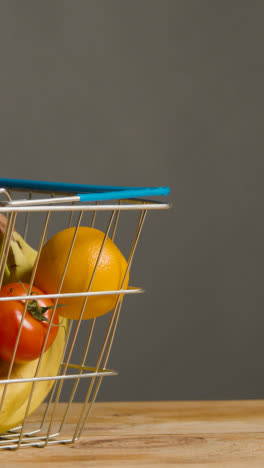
column 213, row 434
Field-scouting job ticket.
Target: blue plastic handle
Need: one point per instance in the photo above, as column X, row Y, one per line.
column 125, row 194
column 86, row 192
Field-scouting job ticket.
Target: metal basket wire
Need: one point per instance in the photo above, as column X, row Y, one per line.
column 80, row 205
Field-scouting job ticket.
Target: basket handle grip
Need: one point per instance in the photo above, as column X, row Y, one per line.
column 118, row 194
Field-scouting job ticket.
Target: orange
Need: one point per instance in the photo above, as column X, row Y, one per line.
column 109, row 274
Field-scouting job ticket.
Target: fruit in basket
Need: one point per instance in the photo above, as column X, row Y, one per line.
column 17, row 394
column 109, row 274
column 34, row 327
column 21, row 256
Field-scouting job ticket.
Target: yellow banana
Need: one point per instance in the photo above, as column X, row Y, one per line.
column 17, row 395
column 21, row 256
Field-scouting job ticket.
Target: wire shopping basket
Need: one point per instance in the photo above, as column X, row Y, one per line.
column 73, row 366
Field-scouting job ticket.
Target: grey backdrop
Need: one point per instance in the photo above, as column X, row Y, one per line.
column 150, row 92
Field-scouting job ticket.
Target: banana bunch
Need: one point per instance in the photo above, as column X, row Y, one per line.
column 21, row 257
column 20, row 261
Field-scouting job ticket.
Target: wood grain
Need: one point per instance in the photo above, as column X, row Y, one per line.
column 213, row 434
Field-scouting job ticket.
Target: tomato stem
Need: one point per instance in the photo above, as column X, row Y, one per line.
column 37, row 311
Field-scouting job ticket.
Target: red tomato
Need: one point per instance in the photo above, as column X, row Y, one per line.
column 34, row 330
